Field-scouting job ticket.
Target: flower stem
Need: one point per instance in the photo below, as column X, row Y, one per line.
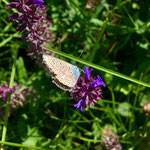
column 21, row 145
column 98, row 67
column 99, row 38
column 8, row 100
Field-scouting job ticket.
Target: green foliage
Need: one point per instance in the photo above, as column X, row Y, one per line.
column 124, row 109
column 21, row 70
column 112, row 37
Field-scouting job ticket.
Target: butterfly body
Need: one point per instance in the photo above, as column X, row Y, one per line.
column 65, row 75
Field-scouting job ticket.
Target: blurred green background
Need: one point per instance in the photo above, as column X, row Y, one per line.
column 113, row 34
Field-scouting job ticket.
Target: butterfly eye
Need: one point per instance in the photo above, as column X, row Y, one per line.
column 76, row 68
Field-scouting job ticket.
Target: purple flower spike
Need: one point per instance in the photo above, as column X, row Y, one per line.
column 87, row 72
column 110, row 139
column 79, row 105
column 4, row 91
column 31, row 19
column 18, row 95
column 39, row 2
column 98, row 82
column 21, row 27
column 87, row 90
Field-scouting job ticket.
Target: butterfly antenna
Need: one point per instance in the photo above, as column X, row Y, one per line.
column 81, row 54
column 80, row 69
column 79, row 57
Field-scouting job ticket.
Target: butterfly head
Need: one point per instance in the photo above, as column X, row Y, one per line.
column 76, row 72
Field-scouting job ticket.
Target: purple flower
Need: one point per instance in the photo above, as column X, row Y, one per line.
column 110, row 139
column 15, row 17
column 87, row 72
column 98, row 82
column 4, row 91
column 87, row 90
column 79, row 105
column 19, row 94
column 31, row 19
column 39, row 2
column 21, row 27
column 27, row 13
column 16, row 93
column 22, row 5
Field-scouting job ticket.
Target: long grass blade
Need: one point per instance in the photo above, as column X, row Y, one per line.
column 98, row 67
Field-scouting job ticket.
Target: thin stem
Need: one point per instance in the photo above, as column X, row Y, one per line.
column 8, row 39
column 98, row 40
column 134, row 105
column 20, row 145
column 137, row 92
column 113, row 98
column 92, row 140
column 8, row 101
column 98, row 67
column 130, row 17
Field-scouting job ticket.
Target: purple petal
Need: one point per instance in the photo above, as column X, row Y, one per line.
column 25, row 8
column 12, row 5
column 21, row 27
column 79, row 105
column 87, row 72
column 34, row 99
column 98, row 82
column 39, row 2
column 14, row 17
column 4, row 96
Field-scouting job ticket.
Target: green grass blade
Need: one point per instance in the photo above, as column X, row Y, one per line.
column 4, row 131
column 117, row 74
column 8, row 39
column 20, row 145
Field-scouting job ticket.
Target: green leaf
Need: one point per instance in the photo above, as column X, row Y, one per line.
column 96, row 22
column 124, row 109
column 33, row 136
column 96, row 130
column 21, row 70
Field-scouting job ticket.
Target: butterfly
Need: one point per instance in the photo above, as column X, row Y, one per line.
column 65, row 75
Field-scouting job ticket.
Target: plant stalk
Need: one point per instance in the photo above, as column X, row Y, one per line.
column 8, row 100
column 98, row 67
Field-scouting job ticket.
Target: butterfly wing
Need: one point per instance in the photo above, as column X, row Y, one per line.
column 50, row 62
column 65, row 74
